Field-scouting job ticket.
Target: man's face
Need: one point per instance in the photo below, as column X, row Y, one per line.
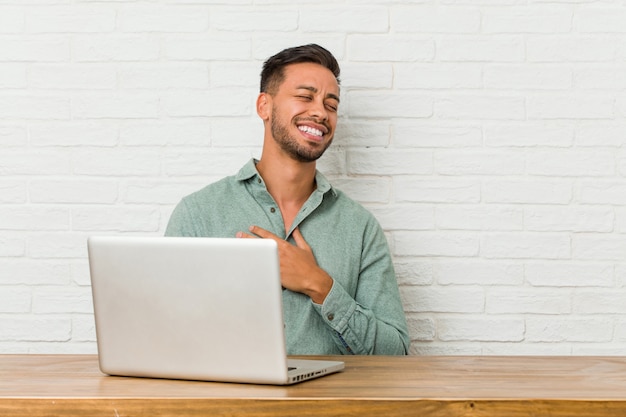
column 304, row 111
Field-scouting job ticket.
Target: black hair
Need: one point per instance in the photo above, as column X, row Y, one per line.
column 273, row 69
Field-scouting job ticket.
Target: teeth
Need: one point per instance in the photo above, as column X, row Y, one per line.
column 311, row 130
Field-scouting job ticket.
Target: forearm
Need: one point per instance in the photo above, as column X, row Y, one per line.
column 358, row 329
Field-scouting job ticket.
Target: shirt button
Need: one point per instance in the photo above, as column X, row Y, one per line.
column 273, row 210
column 330, row 316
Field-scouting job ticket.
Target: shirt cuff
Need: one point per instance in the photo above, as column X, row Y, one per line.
column 337, row 308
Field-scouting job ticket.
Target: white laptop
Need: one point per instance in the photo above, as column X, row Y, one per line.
column 193, row 308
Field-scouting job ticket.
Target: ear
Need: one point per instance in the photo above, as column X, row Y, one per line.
column 264, row 106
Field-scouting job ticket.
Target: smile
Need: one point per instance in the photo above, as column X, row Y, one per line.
column 311, row 131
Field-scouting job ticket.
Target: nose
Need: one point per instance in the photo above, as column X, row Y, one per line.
column 318, row 110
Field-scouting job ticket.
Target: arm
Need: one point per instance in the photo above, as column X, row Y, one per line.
column 371, row 322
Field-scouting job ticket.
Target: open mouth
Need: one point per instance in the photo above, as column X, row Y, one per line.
column 311, row 131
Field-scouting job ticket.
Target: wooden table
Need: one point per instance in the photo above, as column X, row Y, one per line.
column 66, row 385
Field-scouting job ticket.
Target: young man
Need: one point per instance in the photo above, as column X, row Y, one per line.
column 341, row 294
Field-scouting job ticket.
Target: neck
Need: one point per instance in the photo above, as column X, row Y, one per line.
column 289, row 182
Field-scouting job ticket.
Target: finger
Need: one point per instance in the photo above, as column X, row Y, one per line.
column 259, row 231
column 300, row 242
column 242, row 235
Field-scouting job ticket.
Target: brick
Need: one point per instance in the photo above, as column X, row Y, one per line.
column 164, row 76
column 203, row 162
column 378, row 48
column 423, row 329
column 528, row 134
column 443, row 300
column 527, row 77
column 12, row 191
column 419, row 243
column 571, row 107
column 569, row 274
column 475, row 162
column 117, row 162
column 69, row 77
column 529, row 191
column 218, row 102
column 81, row 191
column 605, row 301
column 412, row 134
column 574, row 219
column 13, row 136
column 12, row 245
column 534, row 19
column 60, row 245
column 160, row 133
column 15, row 299
column 598, row 247
column 386, row 104
column 361, row 133
column 41, row 272
column 438, row 76
column 120, row 219
column 597, row 78
column 533, row 301
column 481, row 49
column 11, row 19
column 71, row 19
column 12, row 76
column 389, row 162
column 602, row 192
column 367, row 75
column 116, row 106
column 441, row 19
column 34, row 48
column 158, row 191
column 486, row 107
column 363, row 19
column 478, row 272
column 410, row 273
column 481, row 329
column 365, row 190
column 600, row 20
column 235, row 74
column 27, row 162
column 54, row 300
column 34, row 218
column 186, row 47
column 557, row 329
column 254, row 21
column 152, row 18
column 44, row 107
column 601, row 134
column 417, row 190
column 115, row 47
column 74, row 133
column 465, row 217
column 404, row 217
column 569, row 49
column 83, row 328
column 428, row 348
column 244, row 131
column 525, row 245
column 35, row 329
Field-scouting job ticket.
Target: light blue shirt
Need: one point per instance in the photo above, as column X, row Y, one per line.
column 363, row 313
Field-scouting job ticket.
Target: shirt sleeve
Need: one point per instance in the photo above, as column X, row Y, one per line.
column 180, row 222
column 373, row 321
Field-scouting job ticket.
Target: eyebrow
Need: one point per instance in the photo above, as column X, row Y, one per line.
column 315, row 90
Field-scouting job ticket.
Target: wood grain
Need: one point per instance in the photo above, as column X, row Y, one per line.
column 67, row 385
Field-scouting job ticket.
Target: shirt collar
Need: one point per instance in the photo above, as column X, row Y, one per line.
column 249, row 171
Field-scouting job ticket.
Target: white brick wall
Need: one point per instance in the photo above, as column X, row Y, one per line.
column 487, row 137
